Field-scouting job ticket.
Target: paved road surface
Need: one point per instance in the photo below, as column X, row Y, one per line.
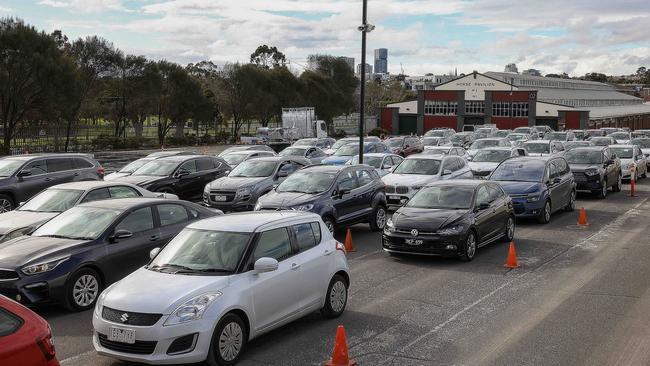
column 581, row 297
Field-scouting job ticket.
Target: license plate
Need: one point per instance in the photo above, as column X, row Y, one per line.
column 121, row 335
column 413, row 241
column 220, row 198
column 394, row 197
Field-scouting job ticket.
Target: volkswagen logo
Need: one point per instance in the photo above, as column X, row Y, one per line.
column 124, row 318
column 414, row 232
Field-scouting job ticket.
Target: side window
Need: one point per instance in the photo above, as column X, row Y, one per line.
column 289, row 167
column 123, row 192
column 59, row 165
column 348, row 180
column 137, row 221
column 171, row 214
column 273, row 244
column 188, row 166
column 482, row 195
column 37, row 167
column 495, row 193
column 412, row 142
column 554, row 170
column 81, row 163
column 315, row 228
column 461, row 163
column 204, row 164
column 96, row 195
column 564, row 167
column 304, row 237
column 364, row 177
column 9, row 323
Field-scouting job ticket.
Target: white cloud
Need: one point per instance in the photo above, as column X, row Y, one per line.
column 86, row 5
column 4, row 9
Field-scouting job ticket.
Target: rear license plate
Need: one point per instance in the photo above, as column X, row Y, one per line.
column 390, row 197
column 413, row 241
column 220, row 198
column 121, row 335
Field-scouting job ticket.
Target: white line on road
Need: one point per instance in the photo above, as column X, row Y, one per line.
column 76, row 357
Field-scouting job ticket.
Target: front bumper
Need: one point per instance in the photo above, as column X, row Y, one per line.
column 232, row 203
column 523, row 208
column 161, row 336
column 432, row 244
column 36, row 289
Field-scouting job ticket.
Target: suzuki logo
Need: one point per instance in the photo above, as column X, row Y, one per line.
column 414, row 232
column 124, row 318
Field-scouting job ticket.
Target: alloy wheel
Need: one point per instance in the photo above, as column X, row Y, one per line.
column 231, row 340
column 604, row 193
column 330, row 226
column 547, row 211
column 338, row 296
column 470, row 249
column 510, row 228
column 381, row 217
column 85, row 290
column 5, row 205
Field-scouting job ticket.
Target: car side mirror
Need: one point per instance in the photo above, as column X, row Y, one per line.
column 609, row 162
column 446, row 172
column 182, row 173
column 119, row 235
column 25, row 173
column 557, row 180
column 283, row 174
column 265, row 264
column 387, row 167
column 154, row 252
column 469, row 158
column 483, row 206
column 343, row 192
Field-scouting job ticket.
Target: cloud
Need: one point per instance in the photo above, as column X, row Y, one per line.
column 4, row 9
column 86, row 5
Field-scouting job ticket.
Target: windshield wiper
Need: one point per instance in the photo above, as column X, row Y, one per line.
column 212, row 270
column 171, row 265
column 58, row 236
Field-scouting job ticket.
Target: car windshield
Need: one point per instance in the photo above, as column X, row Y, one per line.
column 623, row 152
column 491, row 156
column 418, row 166
column 134, row 165
column 374, row 161
column 519, row 171
column 202, row 251
column 525, row 130
column 601, row 141
column 431, row 141
column 443, row 197
column 234, row 159
column 253, row 169
column 305, row 142
column 583, row 157
column 293, row 151
column 643, row 143
column 437, row 151
column 84, row 223
column 540, row 128
column 594, row 133
column 574, row 144
column 501, row 133
column 537, row 148
column 556, row 136
column 515, row 137
column 52, row 200
column 620, row 135
column 436, row 133
column 481, row 144
column 395, row 142
column 457, row 138
column 307, row 182
column 161, row 168
column 347, row 150
column 9, row 166
column 340, row 143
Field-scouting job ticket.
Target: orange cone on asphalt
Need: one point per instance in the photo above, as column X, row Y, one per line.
column 511, row 262
column 632, row 182
column 340, row 354
column 348, row 242
column 582, row 220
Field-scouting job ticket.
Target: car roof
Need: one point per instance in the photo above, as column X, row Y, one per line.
column 379, row 154
column 590, row 148
column 531, row 158
column 248, row 222
column 491, row 139
column 123, row 204
column 86, row 185
column 26, row 157
column 428, row 156
column 622, row 145
column 458, row 182
column 499, row 148
column 326, row 168
column 249, row 152
column 272, row 158
column 179, row 158
column 538, row 142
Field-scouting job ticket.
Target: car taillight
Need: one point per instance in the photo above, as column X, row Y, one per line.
column 341, row 247
column 101, row 171
column 46, row 345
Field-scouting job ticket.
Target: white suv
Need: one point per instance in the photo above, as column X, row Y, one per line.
column 220, row 283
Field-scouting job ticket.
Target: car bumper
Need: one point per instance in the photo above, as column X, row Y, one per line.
column 35, row 290
column 523, row 208
column 437, row 245
column 397, row 200
column 626, row 174
column 235, row 204
column 163, row 336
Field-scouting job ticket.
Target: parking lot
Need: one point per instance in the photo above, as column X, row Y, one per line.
column 580, row 297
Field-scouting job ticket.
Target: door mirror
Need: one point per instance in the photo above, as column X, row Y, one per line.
column 387, row 166
column 154, row 252
column 181, row 173
column 283, row 174
column 343, row 192
column 483, row 206
column 609, row 162
column 265, row 264
column 469, row 158
column 446, row 172
column 557, row 180
column 119, row 235
column 25, row 173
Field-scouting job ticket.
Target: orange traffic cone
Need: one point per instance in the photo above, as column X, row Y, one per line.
column 582, row 220
column 340, row 354
column 348, row 242
column 632, row 182
column 511, row 262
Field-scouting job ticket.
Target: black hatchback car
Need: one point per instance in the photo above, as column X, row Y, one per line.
column 341, row 194
column 70, row 259
column 451, row 218
column 22, row 177
column 182, row 175
column 595, row 169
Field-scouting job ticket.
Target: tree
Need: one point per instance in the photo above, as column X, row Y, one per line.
column 237, row 94
column 563, row 75
column 641, row 71
column 268, row 57
column 379, row 95
column 596, row 76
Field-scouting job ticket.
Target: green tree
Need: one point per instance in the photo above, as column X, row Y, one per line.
column 596, row 76
column 268, row 57
column 236, row 92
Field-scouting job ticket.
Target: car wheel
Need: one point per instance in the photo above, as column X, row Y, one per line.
column 228, row 341
column 619, row 183
column 645, row 173
column 83, row 289
column 329, row 224
column 510, row 228
column 336, row 297
column 603, row 190
column 469, row 251
column 378, row 219
column 545, row 215
column 572, row 202
column 6, row 203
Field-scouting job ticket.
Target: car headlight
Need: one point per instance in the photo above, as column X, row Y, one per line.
column 207, row 189
column 243, row 192
column 533, row 197
column 451, row 230
column 307, row 207
column 43, row 267
column 257, row 207
column 17, row 233
column 591, row 172
column 192, row 309
column 390, row 226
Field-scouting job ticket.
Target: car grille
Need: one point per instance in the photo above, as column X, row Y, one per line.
column 230, row 195
column 141, row 319
column 390, row 189
column 408, row 232
column 7, row 275
column 580, row 177
column 139, row 347
column 518, row 195
column 402, row 189
column 481, row 173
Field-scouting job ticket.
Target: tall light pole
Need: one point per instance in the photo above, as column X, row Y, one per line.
column 364, row 28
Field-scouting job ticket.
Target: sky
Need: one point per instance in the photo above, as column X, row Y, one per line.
column 422, row 36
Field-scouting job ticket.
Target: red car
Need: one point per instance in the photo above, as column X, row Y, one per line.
column 405, row 146
column 25, row 338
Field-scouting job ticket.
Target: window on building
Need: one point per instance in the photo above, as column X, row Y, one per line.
column 500, row 109
column 440, row 107
column 474, row 107
column 520, row 109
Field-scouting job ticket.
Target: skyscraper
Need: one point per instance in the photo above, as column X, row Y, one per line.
column 381, row 61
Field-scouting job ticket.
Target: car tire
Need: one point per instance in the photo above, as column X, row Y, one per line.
column 510, row 229
column 6, row 203
column 228, row 341
column 83, row 289
column 545, row 216
column 572, row 202
column 378, row 218
column 619, row 183
column 602, row 193
column 469, row 249
column 336, row 297
column 330, row 224
column 645, row 174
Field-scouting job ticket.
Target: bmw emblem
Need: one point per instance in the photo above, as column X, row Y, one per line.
column 124, row 318
column 414, row 232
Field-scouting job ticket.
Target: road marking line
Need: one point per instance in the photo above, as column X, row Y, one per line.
column 76, row 357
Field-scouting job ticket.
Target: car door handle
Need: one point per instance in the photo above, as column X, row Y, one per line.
column 328, row 252
column 76, row 174
column 154, row 237
column 48, row 179
column 295, row 266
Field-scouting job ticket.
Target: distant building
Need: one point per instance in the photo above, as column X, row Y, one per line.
column 511, row 68
column 381, row 61
column 368, row 71
column 349, row 61
column 426, row 82
column 531, row 72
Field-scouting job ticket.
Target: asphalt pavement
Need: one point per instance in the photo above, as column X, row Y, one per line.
column 580, row 297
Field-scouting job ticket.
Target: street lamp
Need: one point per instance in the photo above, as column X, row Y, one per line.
column 364, row 28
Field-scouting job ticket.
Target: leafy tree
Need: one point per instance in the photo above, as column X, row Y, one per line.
column 237, row 94
column 268, row 57
column 596, row 76
column 563, row 75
